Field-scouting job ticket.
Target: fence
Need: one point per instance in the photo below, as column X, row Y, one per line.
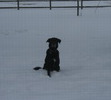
column 78, row 4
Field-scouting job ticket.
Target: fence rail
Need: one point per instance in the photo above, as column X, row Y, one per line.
column 48, row 0
column 79, row 4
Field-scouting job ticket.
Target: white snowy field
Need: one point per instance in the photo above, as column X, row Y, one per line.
column 85, row 53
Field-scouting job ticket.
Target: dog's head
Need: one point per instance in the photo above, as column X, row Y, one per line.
column 53, row 42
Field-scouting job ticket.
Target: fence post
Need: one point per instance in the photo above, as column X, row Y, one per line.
column 18, row 4
column 77, row 7
column 81, row 4
column 50, row 4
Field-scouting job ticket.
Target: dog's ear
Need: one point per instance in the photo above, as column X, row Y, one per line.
column 59, row 40
column 51, row 40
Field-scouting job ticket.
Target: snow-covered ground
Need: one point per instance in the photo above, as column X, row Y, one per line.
column 85, row 53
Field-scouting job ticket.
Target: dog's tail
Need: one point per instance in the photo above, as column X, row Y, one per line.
column 37, row 68
column 48, row 71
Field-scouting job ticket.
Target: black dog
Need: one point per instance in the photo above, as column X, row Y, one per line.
column 52, row 59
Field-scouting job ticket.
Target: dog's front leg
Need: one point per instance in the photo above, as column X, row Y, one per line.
column 49, row 73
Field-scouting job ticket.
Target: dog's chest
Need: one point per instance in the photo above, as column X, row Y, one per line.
column 53, row 53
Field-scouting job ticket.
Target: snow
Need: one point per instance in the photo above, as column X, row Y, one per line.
column 85, row 53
